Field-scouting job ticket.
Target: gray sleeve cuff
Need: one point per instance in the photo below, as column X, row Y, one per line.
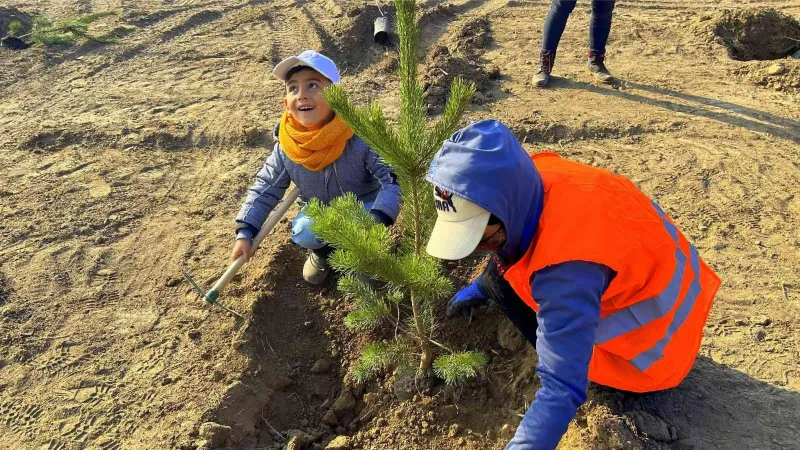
column 245, row 232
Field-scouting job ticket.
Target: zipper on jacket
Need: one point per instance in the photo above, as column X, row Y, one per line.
column 336, row 172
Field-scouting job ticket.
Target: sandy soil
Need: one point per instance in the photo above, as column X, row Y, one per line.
column 124, row 164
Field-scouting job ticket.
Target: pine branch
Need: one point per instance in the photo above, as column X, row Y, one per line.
column 457, row 368
column 378, row 357
column 423, row 277
column 358, row 291
column 413, row 111
column 461, row 93
column 371, row 310
column 366, row 317
column 362, row 245
column 370, row 124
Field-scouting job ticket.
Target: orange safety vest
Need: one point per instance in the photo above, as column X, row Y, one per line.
column 653, row 312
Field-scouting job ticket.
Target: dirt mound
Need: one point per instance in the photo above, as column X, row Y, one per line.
column 459, row 56
column 441, row 68
column 352, row 28
column 782, row 76
column 537, row 129
column 9, row 15
column 470, row 38
column 759, row 34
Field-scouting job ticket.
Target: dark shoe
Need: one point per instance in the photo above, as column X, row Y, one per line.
column 542, row 76
column 316, row 269
column 597, row 67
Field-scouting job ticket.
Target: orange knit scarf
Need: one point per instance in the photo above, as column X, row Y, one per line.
column 313, row 149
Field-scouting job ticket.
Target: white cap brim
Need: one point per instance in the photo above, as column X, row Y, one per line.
column 308, row 58
column 285, row 66
column 456, row 240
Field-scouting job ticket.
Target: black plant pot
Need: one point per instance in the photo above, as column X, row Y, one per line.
column 382, row 31
column 14, row 43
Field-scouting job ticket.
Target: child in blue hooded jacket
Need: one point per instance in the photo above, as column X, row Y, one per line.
column 590, row 270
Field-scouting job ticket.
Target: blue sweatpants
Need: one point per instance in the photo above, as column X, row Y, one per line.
column 301, row 230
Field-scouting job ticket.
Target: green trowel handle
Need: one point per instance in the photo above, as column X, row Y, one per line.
column 273, row 219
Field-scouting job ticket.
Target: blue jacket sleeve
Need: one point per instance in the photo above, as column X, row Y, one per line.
column 270, row 184
column 568, row 296
column 388, row 199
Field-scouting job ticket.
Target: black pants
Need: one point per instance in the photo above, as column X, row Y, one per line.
column 503, row 295
column 599, row 24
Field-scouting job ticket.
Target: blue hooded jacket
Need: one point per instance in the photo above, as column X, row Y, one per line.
column 485, row 164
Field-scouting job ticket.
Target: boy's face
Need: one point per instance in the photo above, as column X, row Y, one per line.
column 304, row 99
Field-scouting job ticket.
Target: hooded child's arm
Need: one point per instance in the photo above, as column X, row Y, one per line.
column 270, row 184
column 568, row 296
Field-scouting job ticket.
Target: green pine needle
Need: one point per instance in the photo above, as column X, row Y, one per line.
column 371, row 310
column 461, row 93
column 366, row 318
column 14, row 27
column 378, row 357
column 457, row 368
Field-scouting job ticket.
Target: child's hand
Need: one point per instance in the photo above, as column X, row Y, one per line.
column 242, row 247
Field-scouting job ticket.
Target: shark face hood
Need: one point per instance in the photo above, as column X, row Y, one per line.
column 483, row 170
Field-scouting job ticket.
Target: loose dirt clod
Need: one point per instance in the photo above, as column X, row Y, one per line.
column 509, row 337
column 339, row 443
column 215, row 434
column 321, row 366
column 470, row 38
column 652, row 426
column 757, row 34
column 783, row 76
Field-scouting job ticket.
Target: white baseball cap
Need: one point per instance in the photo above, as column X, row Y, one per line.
column 459, row 226
column 310, row 58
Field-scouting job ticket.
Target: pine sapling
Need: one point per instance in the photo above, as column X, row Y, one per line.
column 413, row 281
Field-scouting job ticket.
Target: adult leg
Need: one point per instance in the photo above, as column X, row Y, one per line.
column 554, row 25
column 504, row 296
column 599, row 29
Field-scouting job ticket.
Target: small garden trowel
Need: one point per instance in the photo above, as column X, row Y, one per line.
column 212, row 295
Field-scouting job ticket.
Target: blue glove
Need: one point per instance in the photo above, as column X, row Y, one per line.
column 470, row 297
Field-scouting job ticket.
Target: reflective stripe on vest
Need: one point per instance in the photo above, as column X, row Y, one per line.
column 646, row 311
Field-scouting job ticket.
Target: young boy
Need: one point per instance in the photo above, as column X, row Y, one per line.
column 319, row 153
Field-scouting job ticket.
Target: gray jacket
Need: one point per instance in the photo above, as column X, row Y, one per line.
column 358, row 170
